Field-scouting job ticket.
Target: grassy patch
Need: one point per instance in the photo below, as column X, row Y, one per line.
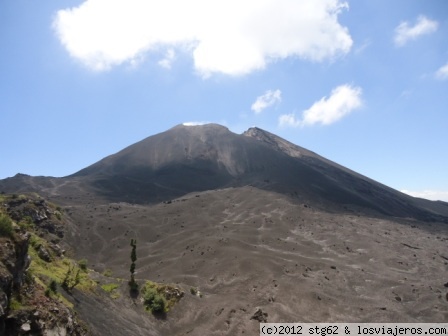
column 115, row 295
column 57, row 270
column 42, row 277
column 14, row 304
column 160, row 297
column 27, row 223
column 110, row 287
column 83, row 264
column 36, row 241
column 112, row 290
column 52, row 288
column 6, row 228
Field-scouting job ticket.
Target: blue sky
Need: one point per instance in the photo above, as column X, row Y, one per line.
column 363, row 83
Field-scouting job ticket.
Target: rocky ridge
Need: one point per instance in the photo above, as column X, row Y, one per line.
column 26, row 306
column 43, row 291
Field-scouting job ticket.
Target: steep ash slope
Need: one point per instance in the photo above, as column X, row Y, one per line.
column 376, row 194
column 188, row 159
column 198, row 158
column 246, row 249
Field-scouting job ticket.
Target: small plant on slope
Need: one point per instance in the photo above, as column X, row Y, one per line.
column 132, row 284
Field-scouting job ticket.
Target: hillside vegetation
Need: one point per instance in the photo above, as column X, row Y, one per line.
column 39, row 276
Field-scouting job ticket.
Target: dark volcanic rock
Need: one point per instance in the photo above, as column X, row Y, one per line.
column 185, row 159
column 14, row 261
column 43, row 254
column 188, row 159
column 260, row 316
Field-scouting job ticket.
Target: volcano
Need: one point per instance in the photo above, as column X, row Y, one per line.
column 186, row 159
column 263, row 229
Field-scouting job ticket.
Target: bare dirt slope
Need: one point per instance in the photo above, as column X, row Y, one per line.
column 246, row 249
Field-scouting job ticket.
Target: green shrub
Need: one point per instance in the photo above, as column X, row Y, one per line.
column 58, row 215
column 15, row 304
column 83, row 264
column 157, row 305
column 153, row 301
column 29, row 277
column 6, row 229
column 72, row 278
column 132, row 282
column 52, row 288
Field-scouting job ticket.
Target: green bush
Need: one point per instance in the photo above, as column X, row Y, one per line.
column 52, row 288
column 5, row 226
column 157, row 305
column 83, row 264
column 29, row 277
column 154, row 301
column 58, row 215
column 72, row 278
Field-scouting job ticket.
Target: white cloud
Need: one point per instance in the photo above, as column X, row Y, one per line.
column 168, row 60
column 225, row 36
column 442, row 73
column 289, row 120
column 343, row 100
column 405, row 32
column 360, row 49
column 195, row 123
column 434, row 195
column 269, row 98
